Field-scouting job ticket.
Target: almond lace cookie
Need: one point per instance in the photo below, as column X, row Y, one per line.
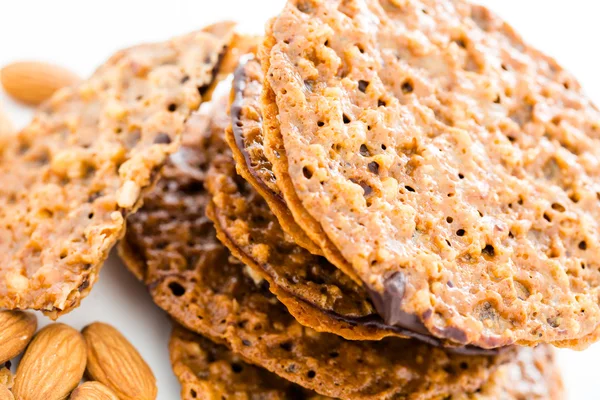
column 173, row 247
column 72, row 176
column 314, row 291
column 208, row 371
column 452, row 165
column 245, row 138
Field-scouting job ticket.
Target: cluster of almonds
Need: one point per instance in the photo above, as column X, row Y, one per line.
column 57, row 357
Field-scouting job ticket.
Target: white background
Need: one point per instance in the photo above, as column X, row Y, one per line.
column 82, row 34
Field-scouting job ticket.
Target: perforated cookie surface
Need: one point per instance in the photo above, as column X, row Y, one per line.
column 454, row 166
column 172, row 246
column 207, row 370
column 71, row 177
column 210, row 371
column 245, row 137
column 314, row 291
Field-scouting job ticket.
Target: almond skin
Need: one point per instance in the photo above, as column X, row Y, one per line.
column 93, row 390
column 113, row 361
column 52, row 366
column 6, row 394
column 34, row 82
column 16, row 330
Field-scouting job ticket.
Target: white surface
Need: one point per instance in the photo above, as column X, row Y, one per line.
column 81, row 34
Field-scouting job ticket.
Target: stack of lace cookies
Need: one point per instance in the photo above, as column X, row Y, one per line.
column 382, row 199
column 379, row 199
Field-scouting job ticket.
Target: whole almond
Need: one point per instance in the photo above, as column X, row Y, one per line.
column 52, row 366
column 34, row 82
column 93, row 390
column 6, row 394
column 113, row 361
column 16, row 330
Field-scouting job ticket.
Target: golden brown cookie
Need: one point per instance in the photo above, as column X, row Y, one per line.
column 210, row 371
column 207, row 370
column 71, row 177
column 452, row 165
column 245, row 138
column 173, row 247
column 315, row 292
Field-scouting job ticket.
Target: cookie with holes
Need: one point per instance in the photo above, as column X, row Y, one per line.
column 246, row 140
column 71, row 177
column 171, row 245
column 451, row 164
column 314, row 291
column 207, row 370
column 249, row 148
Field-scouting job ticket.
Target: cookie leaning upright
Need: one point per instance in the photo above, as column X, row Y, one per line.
column 71, row 177
column 453, row 166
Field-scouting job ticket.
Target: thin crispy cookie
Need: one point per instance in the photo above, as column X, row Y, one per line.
column 317, row 294
column 172, row 245
column 314, row 291
column 453, row 166
column 210, row 371
column 246, row 224
column 245, row 137
column 72, row 176
column 207, row 371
